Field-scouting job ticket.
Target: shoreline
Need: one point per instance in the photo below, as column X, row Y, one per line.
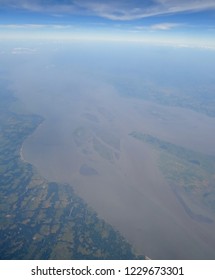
column 21, row 153
column 22, row 158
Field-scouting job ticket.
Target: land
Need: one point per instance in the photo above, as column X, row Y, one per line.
column 90, row 109
column 190, row 173
column 118, row 176
column 202, row 102
column 41, row 219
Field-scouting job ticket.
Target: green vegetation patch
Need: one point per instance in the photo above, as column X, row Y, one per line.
column 199, row 98
column 191, row 171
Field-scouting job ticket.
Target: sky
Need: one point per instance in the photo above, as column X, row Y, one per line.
column 184, row 22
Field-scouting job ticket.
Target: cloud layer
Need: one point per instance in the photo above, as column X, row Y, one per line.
column 110, row 9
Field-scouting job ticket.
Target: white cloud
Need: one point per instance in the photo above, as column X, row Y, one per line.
column 35, row 26
column 160, row 26
column 130, row 10
column 22, row 26
column 23, row 51
column 164, row 26
column 113, row 9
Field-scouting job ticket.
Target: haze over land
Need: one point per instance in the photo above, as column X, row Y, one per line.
column 128, row 122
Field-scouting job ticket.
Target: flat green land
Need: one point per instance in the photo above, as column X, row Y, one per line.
column 197, row 97
column 190, row 172
column 41, row 219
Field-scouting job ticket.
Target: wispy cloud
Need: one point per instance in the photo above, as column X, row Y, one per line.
column 22, row 26
column 160, row 26
column 23, row 51
column 113, row 9
column 164, row 26
column 131, row 10
column 55, row 6
column 36, row 26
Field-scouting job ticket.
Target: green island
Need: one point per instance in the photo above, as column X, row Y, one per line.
column 196, row 98
column 190, row 173
column 105, row 144
column 41, row 219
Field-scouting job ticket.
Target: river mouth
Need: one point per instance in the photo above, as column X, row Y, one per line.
column 92, row 97
column 85, row 142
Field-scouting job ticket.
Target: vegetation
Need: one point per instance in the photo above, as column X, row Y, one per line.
column 197, row 98
column 192, row 172
column 41, row 219
column 90, row 140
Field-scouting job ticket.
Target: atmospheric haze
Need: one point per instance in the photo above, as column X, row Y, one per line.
column 93, row 96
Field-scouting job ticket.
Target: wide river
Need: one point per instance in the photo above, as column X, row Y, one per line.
column 84, row 141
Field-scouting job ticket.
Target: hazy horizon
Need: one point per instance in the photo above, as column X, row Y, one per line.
column 126, row 94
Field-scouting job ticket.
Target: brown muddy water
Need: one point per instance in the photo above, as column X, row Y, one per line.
column 84, row 141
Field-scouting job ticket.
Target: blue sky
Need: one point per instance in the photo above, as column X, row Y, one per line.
column 181, row 21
